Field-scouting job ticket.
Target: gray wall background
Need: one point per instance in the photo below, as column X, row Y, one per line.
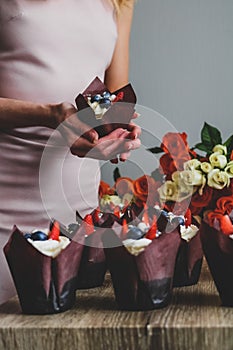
column 182, row 66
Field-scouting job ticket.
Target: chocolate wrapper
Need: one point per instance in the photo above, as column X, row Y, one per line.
column 117, row 116
column 44, row 285
column 142, row 282
column 93, row 264
column 188, row 262
column 218, row 250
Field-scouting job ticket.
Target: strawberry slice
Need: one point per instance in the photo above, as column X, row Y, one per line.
column 117, row 212
column 119, row 96
column 188, row 218
column 226, row 225
column 88, row 223
column 54, row 231
column 95, row 215
column 145, row 217
column 124, row 229
column 151, row 234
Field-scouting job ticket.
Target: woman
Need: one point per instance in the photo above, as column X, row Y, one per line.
column 49, row 52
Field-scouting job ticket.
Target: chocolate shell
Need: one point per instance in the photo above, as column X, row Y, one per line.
column 117, row 116
column 142, row 282
column 218, row 250
column 188, row 262
column 93, row 264
column 44, row 285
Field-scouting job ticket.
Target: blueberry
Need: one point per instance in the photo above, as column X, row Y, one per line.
column 178, row 220
column 105, row 103
column 27, row 235
column 96, row 98
column 39, row 236
column 106, row 94
column 135, row 233
column 164, row 213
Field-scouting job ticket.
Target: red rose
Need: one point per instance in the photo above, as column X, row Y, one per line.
column 225, row 204
column 179, row 161
column 167, row 165
column 145, row 189
column 175, row 143
column 199, row 201
column 124, row 185
column 231, row 156
column 104, row 188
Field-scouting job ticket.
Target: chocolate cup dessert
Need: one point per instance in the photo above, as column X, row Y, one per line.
column 218, row 250
column 93, row 265
column 142, row 282
column 117, row 116
column 44, row 285
column 188, row 262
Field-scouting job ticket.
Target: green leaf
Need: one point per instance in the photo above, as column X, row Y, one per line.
column 202, row 147
column 229, row 144
column 155, row 150
column 116, row 174
column 210, row 136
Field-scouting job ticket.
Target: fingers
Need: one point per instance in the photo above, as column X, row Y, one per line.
column 135, row 131
column 78, row 128
column 105, row 149
column 124, row 156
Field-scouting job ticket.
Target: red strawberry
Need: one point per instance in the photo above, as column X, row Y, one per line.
column 117, row 212
column 88, row 223
column 55, row 231
column 119, row 96
column 151, row 234
column 124, row 229
column 188, row 218
column 226, row 225
column 95, row 215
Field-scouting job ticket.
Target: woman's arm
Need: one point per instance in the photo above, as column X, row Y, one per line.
column 117, row 73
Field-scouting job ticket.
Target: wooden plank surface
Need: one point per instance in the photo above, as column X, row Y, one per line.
column 194, row 320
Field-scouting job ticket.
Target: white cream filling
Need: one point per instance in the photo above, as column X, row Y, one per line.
column 50, row 247
column 187, row 233
column 135, row 247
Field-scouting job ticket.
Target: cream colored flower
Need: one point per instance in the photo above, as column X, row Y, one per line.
column 168, row 191
column 220, row 149
column 229, row 169
column 106, row 200
column 206, row 167
column 193, row 178
column 218, row 179
column 218, row 160
column 192, row 164
column 184, row 189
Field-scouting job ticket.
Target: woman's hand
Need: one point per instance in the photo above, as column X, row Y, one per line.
column 85, row 142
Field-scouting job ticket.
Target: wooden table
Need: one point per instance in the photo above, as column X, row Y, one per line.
column 194, row 320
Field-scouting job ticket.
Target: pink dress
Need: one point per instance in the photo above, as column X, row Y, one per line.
column 50, row 50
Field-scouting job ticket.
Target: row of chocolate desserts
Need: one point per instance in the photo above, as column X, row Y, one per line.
column 147, row 252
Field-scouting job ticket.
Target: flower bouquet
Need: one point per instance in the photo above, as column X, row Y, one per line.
column 103, row 110
column 203, row 183
column 40, row 265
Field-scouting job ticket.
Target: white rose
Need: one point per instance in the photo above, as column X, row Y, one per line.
column 168, row 191
column 218, row 160
column 206, row 167
column 193, row 178
column 229, row 169
column 192, row 164
column 218, row 179
column 106, row 200
column 220, row 149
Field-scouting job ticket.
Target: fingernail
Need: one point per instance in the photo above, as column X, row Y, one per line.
column 122, row 159
column 130, row 146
